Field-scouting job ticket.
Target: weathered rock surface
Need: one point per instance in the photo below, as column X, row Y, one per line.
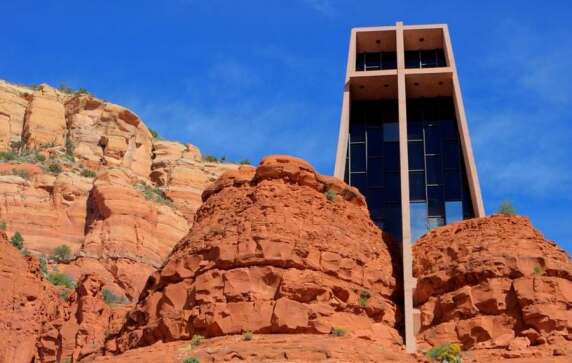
column 27, row 304
column 270, row 253
column 493, row 282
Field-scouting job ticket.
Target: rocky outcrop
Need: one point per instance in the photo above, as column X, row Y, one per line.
column 27, row 304
column 14, row 101
column 45, row 121
column 183, row 175
column 493, row 282
column 277, row 249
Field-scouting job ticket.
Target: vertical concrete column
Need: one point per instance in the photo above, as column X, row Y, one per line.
column 340, row 165
column 408, row 281
column 472, row 177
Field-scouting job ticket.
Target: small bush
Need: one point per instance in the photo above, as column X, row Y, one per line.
column 39, row 157
column 88, row 173
column 247, row 335
column 196, row 340
column 8, row 156
column 17, row 240
column 330, row 195
column 244, row 162
column 82, row 90
column 55, row 168
column 154, row 133
column 69, row 148
column 65, row 89
column 337, row 332
column 21, row 173
column 61, row 279
column 446, row 353
column 538, row 271
column 191, row 360
column 110, row 298
column 62, row 253
column 3, row 225
column 506, row 208
column 364, row 296
column 153, row 194
column 17, row 146
column 210, row 158
column 43, row 265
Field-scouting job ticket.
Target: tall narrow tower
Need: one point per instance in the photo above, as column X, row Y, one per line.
column 404, row 140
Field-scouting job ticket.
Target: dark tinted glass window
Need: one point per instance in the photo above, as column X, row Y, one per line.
column 375, row 202
column 434, row 169
column 347, row 171
column 357, row 157
column 416, row 155
column 411, row 59
column 392, row 187
column 359, row 62
column 391, row 131
column 372, row 61
column 435, row 201
column 415, row 130
column 375, row 172
column 432, row 139
column 451, row 155
column 440, row 58
column 452, row 185
column 428, row 58
column 391, row 156
column 389, row 60
column 357, row 131
column 418, row 220
column 449, row 129
column 416, row 185
column 375, row 141
column 359, row 181
column 392, row 219
column 453, row 211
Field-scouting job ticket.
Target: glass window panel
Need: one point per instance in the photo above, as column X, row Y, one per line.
column 392, row 219
column 441, row 58
column 360, row 62
column 357, row 132
column 357, row 157
column 435, row 201
column 415, row 130
column 391, row 131
column 434, row 222
column 372, row 61
column 451, row 155
column 416, row 155
column 418, row 220
column 417, row 186
column 449, row 129
column 347, row 171
column 452, row 185
column 375, row 172
column 428, row 58
column 431, row 111
column 392, row 186
column 453, row 211
column 375, row 202
column 391, row 156
column 432, row 139
column 434, row 169
column 411, row 59
column 391, row 113
column 359, row 180
column 374, row 115
column 389, row 60
column 375, row 142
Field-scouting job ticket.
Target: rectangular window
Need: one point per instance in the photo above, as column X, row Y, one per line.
column 411, row 59
column 432, row 139
column 359, row 180
column 452, row 185
column 434, row 169
column 453, row 211
column 449, row 129
column 416, row 155
column 389, row 60
column 360, row 59
column 418, row 220
column 375, row 202
column 391, row 156
column 441, row 58
column 451, row 155
column 392, row 219
column 375, row 172
column 392, row 186
column 434, row 222
column 357, row 132
column 391, row 131
column 417, row 186
column 435, row 201
column 372, row 61
column 357, row 157
column 414, row 130
column 428, row 58
column 375, row 141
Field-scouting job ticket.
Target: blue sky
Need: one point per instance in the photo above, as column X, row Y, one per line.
column 249, row 78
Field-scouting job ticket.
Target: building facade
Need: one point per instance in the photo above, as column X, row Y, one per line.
column 403, row 139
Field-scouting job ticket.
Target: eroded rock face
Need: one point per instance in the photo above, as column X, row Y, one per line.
column 270, row 253
column 492, row 282
column 27, row 304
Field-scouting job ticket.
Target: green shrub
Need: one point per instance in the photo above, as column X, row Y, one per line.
column 69, row 148
column 191, row 360
column 55, row 168
column 8, row 156
column 244, row 162
column 210, row 158
column 17, row 240
column 446, row 353
column 506, row 208
column 364, row 296
column 39, row 157
column 153, row 194
column 248, row 335
column 64, row 294
column 21, row 173
column 61, row 279
column 88, row 173
column 82, row 90
column 110, row 298
column 65, row 89
column 154, row 133
column 62, row 253
column 196, row 340
column 330, row 195
column 3, row 225
column 43, row 265
column 337, row 332
column 538, row 271
column 17, row 146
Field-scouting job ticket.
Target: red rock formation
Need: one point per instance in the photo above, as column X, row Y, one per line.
column 270, row 253
column 27, row 304
column 493, row 282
